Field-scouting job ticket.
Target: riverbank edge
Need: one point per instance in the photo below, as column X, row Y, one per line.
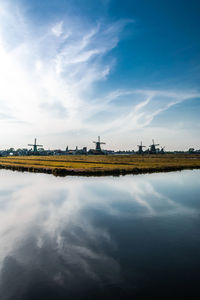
column 97, row 173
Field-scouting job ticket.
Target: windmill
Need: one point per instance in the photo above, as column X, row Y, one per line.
column 140, row 150
column 35, row 146
column 153, row 148
column 162, row 150
column 98, row 144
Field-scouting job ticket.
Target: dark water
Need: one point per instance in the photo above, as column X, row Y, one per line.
column 132, row 237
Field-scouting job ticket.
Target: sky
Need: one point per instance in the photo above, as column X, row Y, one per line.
column 71, row 70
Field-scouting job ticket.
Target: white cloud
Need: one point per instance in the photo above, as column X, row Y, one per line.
column 57, row 29
column 39, row 73
column 140, row 112
column 48, row 76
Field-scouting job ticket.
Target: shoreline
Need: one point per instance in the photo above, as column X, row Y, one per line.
column 111, row 165
column 61, row 172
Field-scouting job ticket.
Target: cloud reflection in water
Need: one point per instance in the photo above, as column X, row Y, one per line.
column 54, row 233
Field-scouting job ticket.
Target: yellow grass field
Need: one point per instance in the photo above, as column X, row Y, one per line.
column 81, row 164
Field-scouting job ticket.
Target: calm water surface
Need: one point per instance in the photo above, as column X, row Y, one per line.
column 132, row 237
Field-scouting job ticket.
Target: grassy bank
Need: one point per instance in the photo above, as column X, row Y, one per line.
column 101, row 165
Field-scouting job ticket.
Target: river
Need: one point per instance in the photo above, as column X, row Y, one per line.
column 128, row 237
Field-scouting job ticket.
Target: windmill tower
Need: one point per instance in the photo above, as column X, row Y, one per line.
column 162, row 150
column 35, row 146
column 98, row 144
column 140, row 148
column 153, row 148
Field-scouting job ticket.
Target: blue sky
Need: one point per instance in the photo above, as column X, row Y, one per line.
column 125, row 70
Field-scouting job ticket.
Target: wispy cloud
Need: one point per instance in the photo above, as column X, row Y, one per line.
column 57, row 29
column 53, row 67
column 49, row 73
column 143, row 106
